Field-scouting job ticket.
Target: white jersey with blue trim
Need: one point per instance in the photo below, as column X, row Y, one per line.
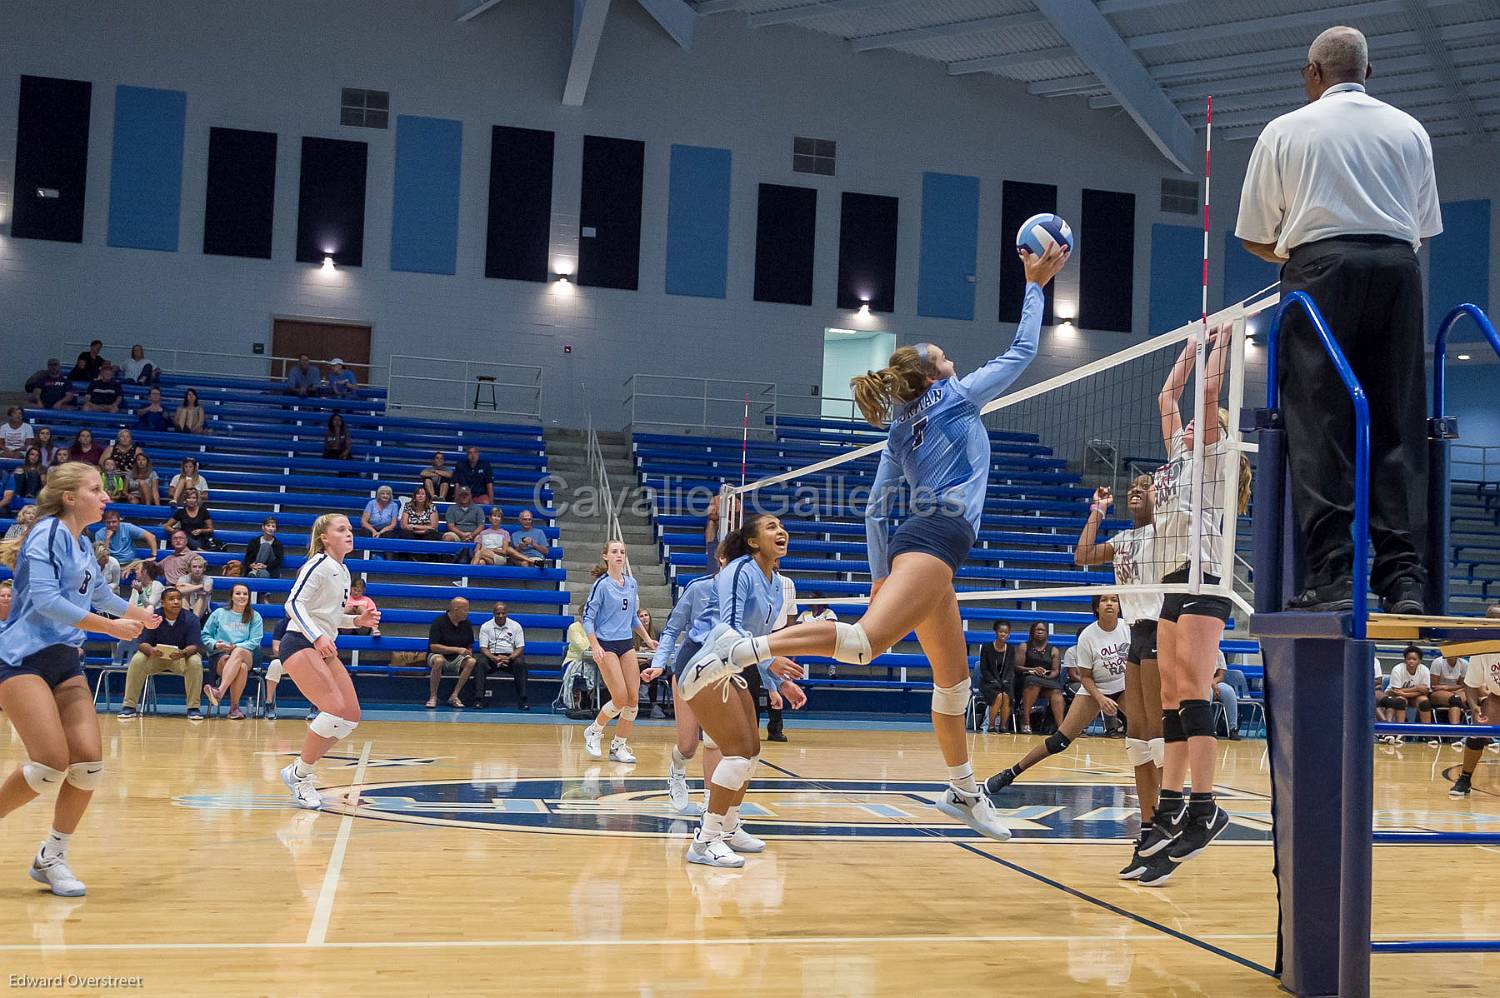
column 939, row 446
column 609, row 613
column 57, row 583
column 315, row 608
column 689, row 608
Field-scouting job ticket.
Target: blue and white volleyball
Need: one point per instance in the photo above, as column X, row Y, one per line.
column 1040, row 231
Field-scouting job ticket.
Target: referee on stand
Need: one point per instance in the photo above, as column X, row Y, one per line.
column 1341, row 194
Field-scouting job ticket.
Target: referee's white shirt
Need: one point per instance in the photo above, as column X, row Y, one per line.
column 1344, row 165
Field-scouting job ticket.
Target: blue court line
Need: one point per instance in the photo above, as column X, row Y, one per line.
column 1080, row 895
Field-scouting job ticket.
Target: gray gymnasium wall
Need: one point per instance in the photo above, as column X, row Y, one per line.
column 279, row 65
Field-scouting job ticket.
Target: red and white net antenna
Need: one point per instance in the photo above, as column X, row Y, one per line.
column 1208, row 152
column 1200, row 415
column 744, row 440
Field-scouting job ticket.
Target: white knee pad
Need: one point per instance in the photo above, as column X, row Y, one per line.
column 609, row 710
column 709, row 743
column 327, row 725
column 41, row 778
column 1138, row 751
column 953, row 700
column 274, row 671
column 852, row 644
column 754, row 767
column 733, row 772
column 629, row 713
column 1158, row 751
column 86, row 775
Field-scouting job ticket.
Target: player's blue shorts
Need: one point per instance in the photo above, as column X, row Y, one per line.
column 685, row 655
column 55, row 664
column 944, row 536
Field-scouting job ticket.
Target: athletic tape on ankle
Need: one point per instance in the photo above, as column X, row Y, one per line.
column 86, row 775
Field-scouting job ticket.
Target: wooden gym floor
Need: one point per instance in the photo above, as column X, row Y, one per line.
column 496, row 858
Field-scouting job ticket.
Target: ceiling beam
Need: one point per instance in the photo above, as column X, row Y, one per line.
column 1447, row 72
column 791, row 15
column 953, row 29
column 718, row 6
column 1433, row 97
column 588, row 29
column 675, row 17
column 1486, row 108
column 997, row 63
column 1099, row 45
column 1065, row 86
column 470, row 9
column 1127, row 6
column 1256, row 26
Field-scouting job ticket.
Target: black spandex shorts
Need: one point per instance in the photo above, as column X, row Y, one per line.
column 617, row 647
column 1175, row 605
column 1142, row 642
column 55, row 664
column 292, row 642
column 945, row 537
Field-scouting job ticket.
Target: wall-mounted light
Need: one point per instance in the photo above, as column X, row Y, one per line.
column 328, row 262
column 1463, row 356
column 562, row 268
column 48, row 193
column 1065, row 309
column 1066, row 328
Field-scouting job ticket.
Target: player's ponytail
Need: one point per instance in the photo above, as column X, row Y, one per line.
column 70, row 476
column 1242, row 505
column 737, row 543
column 601, row 568
column 319, row 528
column 902, row 379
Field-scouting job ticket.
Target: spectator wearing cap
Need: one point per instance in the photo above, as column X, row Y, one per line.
column 303, row 379
column 340, row 382
column 16, row 435
column 105, row 392
column 474, row 473
column 50, row 388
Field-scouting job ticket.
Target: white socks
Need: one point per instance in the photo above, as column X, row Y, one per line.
column 302, row 770
column 962, row 778
column 679, row 761
column 732, row 818
column 55, row 847
column 714, row 826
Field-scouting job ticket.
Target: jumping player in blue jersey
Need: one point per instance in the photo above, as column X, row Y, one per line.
column 58, row 586
column 939, row 447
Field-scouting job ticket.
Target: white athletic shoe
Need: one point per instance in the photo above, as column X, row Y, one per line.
column 593, row 736
column 56, row 875
column 742, row 841
column 304, row 794
column 975, row 812
column 678, row 794
column 713, row 852
column 619, row 751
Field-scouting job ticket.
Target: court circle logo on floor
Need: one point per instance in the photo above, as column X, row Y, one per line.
column 777, row 808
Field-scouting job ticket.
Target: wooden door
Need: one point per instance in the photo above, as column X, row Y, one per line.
column 321, row 340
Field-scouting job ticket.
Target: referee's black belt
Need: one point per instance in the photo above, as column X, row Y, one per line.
column 1368, row 240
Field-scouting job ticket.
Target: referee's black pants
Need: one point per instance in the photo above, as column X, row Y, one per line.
column 757, row 690
column 1369, row 290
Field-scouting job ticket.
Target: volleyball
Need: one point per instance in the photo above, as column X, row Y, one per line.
column 1040, row 231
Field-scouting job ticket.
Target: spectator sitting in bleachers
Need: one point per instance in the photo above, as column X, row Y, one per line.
column 530, row 543
column 438, row 476
column 50, row 388
column 152, row 416
column 197, row 587
column 25, row 517
column 356, row 605
column 231, row 640
column 141, row 484
column 105, row 392
column 175, row 565
column 138, row 369
column 492, row 544
column 7, row 492
column 194, row 518
column 52, row 451
column 1447, row 688
column 6, row 594
column 340, row 382
column 336, row 443
column 114, row 482
column 450, row 642
column 1041, row 672
column 187, row 479
column 1408, row 685
column 124, row 539
column 26, row 481
column 474, row 473
column 109, row 565
column 381, row 518
column 997, row 676
column 16, row 435
column 580, row 675
column 143, row 589
column 418, row 518
column 502, row 646
column 1230, row 687
column 264, row 554
column 89, row 363
column 84, row 449
column 123, row 450
column 463, row 521
column 658, row 690
column 172, row 647
column 304, row 379
column 188, row 416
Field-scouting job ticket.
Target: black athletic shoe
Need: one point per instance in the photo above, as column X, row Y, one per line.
column 1335, row 597
column 1163, row 833
column 997, row 783
column 1198, row 834
column 1405, row 597
column 1461, row 787
column 1159, row 870
column 1137, row 865
column 776, row 737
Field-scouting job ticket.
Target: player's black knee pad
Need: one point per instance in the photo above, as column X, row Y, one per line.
column 1476, row 744
column 1171, row 726
column 1056, row 742
column 1197, row 718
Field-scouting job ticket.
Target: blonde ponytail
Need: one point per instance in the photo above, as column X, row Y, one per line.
column 319, row 528
column 67, row 477
column 1242, row 504
column 902, row 379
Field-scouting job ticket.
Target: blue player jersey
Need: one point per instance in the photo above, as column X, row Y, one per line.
column 609, row 613
column 938, row 445
column 746, row 600
column 691, row 606
column 58, row 581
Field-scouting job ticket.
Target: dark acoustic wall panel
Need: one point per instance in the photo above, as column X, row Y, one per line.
column 1018, row 202
column 1106, row 276
column 52, row 159
column 519, row 229
column 867, row 252
column 785, row 237
column 331, row 202
column 609, row 213
column 241, row 201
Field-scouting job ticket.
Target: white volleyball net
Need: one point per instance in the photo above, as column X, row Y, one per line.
column 1054, row 443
